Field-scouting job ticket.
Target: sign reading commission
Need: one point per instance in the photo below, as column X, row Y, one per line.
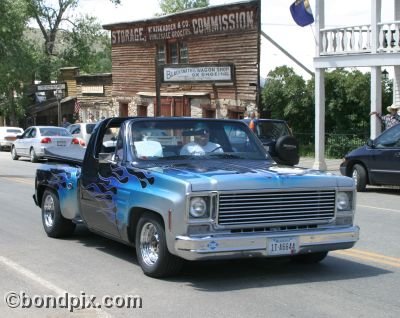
column 225, row 19
column 197, row 73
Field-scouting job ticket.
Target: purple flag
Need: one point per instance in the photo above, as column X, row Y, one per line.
column 301, row 12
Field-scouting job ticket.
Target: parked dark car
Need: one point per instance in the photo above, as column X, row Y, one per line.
column 376, row 163
column 278, row 140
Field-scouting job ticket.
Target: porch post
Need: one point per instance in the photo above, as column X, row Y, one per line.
column 376, row 77
column 319, row 162
column 376, row 100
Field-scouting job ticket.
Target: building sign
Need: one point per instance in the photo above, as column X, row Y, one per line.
column 197, row 73
column 92, row 89
column 50, row 87
column 227, row 19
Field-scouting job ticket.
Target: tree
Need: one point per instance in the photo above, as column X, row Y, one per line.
column 17, row 58
column 286, row 96
column 50, row 19
column 88, row 46
column 172, row 6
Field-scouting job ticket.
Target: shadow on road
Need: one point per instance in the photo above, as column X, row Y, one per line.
column 220, row 276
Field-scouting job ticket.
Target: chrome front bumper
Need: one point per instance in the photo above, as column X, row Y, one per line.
column 255, row 245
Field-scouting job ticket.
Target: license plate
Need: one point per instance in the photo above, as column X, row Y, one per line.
column 283, row 246
column 61, row 143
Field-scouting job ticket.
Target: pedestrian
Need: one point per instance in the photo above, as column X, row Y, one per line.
column 65, row 123
column 391, row 119
column 91, row 119
column 253, row 121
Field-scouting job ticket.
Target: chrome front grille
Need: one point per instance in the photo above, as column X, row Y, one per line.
column 294, row 207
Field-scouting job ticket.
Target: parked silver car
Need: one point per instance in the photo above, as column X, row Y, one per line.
column 8, row 135
column 82, row 132
column 36, row 138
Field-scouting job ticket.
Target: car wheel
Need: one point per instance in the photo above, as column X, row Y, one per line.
column 311, row 258
column 55, row 225
column 151, row 248
column 14, row 155
column 33, row 155
column 359, row 176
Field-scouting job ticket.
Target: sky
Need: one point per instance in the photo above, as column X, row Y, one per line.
column 276, row 21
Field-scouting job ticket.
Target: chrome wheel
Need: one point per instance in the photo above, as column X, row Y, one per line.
column 355, row 176
column 49, row 211
column 149, row 243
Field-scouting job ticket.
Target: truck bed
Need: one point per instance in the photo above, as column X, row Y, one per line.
column 72, row 154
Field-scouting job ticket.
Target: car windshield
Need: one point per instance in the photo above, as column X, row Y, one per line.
column 89, row 128
column 195, row 139
column 54, row 131
column 14, row 131
column 272, row 130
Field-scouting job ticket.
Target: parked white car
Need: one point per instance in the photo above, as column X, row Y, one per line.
column 82, row 132
column 36, row 139
column 8, row 135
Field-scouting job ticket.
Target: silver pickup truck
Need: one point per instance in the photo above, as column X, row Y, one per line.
column 194, row 189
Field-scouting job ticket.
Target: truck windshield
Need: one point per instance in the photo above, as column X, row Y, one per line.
column 201, row 139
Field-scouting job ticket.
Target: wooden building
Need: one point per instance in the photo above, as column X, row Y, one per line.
column 94, row 96
column 199, row 63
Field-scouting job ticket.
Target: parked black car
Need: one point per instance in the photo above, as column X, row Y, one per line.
column 278, row 140
column 376, row 163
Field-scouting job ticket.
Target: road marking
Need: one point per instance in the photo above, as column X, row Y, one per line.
column 369, row 256
column 33, row 277
column 376, row 208
column 19, row 180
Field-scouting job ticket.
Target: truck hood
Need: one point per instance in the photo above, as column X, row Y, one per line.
column 220, row 175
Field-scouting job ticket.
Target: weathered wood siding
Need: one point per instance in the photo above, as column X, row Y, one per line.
column 134, row 52
column 89, row 100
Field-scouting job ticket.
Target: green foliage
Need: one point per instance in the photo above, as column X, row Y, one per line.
column 87, row 46
column 347, row 103
column 17, row 58
column 287, row 96
column 172, row 6
column 337, row 145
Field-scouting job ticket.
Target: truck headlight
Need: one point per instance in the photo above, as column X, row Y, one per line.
column 199, row 207
column 344, row 201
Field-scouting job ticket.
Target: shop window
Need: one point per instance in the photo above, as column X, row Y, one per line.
column 173, row 52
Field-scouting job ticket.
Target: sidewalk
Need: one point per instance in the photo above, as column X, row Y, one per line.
column 332, row 164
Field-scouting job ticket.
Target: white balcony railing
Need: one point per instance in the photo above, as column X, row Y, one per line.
column 358, row 39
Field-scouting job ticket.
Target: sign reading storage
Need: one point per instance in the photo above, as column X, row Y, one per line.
column 198, row 73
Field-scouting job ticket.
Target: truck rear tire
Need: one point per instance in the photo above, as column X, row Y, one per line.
column 311, row 258
column 55, row 225
column 151, row 249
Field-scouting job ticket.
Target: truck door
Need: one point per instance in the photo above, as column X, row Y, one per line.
column 98, row 187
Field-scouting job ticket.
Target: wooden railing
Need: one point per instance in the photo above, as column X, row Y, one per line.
column 358, row 39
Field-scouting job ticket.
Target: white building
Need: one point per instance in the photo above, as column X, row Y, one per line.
column 375, row 45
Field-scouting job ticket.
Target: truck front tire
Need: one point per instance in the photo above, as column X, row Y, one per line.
column 55, row 225
column 151, row 248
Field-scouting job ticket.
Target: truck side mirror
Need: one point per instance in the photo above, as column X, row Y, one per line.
column 105, row 157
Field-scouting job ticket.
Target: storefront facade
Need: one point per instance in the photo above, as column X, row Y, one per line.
column 197, row 63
